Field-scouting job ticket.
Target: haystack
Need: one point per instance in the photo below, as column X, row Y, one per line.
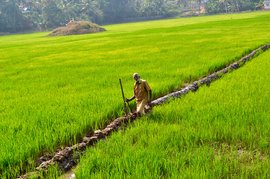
column 77, row 27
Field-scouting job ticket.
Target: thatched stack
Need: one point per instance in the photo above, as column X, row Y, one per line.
column 77, row 27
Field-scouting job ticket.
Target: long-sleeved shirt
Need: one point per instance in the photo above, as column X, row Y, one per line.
column 141, row 90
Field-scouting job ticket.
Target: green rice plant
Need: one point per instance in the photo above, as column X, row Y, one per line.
column 221, row 131
column 55, row 89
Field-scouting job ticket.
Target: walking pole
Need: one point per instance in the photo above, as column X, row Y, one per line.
column 124, row 99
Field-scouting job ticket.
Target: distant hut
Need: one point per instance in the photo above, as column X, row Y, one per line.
column 266, row 4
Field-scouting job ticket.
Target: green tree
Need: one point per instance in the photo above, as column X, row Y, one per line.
column 52, row 15
column 228, row 6
column 90, row 10
column 12, row 19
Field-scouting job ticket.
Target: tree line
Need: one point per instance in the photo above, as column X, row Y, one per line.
column 23, row 15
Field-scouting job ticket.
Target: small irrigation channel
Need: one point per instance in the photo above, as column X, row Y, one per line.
column 68, row 157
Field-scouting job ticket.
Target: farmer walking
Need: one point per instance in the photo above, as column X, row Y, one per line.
column 142, row 94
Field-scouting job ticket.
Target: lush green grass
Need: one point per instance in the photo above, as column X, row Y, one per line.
column 222, row 131
column 54, row 89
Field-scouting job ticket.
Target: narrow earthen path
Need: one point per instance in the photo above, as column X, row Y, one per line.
column 69, row 156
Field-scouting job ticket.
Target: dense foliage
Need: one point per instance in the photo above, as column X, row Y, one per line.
column 43, row 14
column 227, row 6
column 11, row 17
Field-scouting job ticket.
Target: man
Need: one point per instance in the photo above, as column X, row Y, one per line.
column 142, row 94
